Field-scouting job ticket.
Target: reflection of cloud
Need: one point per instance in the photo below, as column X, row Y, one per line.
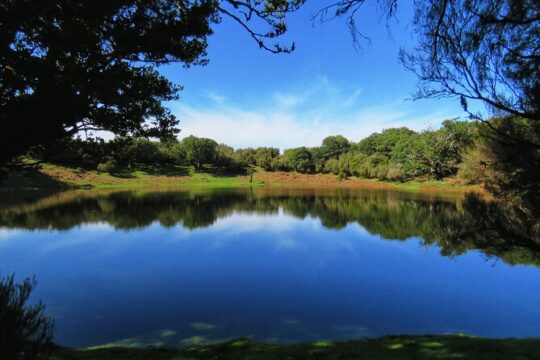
column 4, row 233
column 241, row 222
column 7, row 234
column 85, row 233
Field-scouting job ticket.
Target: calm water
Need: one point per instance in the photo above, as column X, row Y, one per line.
column 178, row 268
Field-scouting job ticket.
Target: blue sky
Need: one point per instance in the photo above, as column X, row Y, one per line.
column 247, row 96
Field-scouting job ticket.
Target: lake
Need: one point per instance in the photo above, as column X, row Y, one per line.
column 178, row 268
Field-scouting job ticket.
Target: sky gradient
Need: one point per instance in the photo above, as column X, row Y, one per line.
column 247, row 96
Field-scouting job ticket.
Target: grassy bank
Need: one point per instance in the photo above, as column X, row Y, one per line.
column 48, row 176
column 390, row 347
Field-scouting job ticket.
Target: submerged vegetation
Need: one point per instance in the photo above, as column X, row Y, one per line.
column 26, row 334
column 388, row 347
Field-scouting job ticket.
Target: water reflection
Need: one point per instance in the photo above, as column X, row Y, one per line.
column 179, row 268
column 456, row 225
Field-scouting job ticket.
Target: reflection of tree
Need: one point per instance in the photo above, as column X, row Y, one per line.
column 496, row 228
column 456, row 227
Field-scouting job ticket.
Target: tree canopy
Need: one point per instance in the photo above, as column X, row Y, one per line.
column 76, row 65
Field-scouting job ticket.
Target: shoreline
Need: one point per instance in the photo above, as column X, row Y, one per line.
column 59, row 178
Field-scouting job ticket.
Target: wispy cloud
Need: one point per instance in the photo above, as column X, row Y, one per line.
column 301, row 116
column 218, row 99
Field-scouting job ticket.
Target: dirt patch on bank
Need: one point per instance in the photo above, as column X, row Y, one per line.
column 318, row 180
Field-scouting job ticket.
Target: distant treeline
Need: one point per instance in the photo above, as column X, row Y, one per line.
column 394, row 154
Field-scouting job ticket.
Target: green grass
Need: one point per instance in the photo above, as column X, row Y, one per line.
column 389, row 347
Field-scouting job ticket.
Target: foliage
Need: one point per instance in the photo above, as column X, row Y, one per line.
column 510, row 151
column 25, row 332
column 486, row 50
column 108, row 166
column 397, row 154
column 385, row 142
column 264, row 157
column 473, row 167
column 198, row 151
column 333, row 146
column 246, row 157
column 91, row 152
column 79, row 65
column 225, row 158
column 299, row 159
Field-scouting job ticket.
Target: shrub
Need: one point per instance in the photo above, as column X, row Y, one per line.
column 395, row 172
column 107, row 167
column 25, row 333
column 471, row 169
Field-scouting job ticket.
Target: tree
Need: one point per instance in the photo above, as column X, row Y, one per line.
column 225, row 157
column 264, row 157
column 25, row 331
column 299, row 159
column 333, row 146
column 486, row 50
column 477, row 50
column 489, row 51
column 440, row 151
column 386, row 141
column 510, row 168
column 81, row 65
column 198, row 151
column 246, row 157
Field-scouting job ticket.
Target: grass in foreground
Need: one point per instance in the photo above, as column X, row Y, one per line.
column 389, row 347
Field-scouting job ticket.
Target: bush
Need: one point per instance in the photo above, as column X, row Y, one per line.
column 25, row 333
column 471, row 169
column 107, row 167
column 395, row 172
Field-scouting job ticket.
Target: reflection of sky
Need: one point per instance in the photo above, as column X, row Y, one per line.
column 272, row 277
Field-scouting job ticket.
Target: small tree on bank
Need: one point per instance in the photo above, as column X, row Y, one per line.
column 25, row 332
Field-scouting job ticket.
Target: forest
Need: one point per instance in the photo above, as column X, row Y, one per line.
column 397, row 154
